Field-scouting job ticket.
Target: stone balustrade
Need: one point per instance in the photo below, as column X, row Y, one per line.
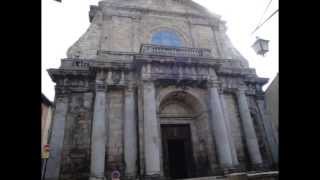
column 174, row 51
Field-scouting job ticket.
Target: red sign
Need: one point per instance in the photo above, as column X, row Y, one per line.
column 46, row 147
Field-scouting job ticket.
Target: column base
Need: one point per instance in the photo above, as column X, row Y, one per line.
column 153, row 177
column 129, row 177
column 97, row 178
column 231, row 170
column 258, row 167
column 237, row 176
column 56, row 178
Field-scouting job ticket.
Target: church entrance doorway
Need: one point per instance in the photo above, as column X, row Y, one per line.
column 177, row 150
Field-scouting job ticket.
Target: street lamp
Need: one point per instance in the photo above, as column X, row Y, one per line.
column 261, row 46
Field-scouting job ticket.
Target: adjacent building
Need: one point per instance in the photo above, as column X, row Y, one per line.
column 46, row 117
column 155, row 90
column 272, row 100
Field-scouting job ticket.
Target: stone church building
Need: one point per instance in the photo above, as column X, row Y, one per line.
column 155, row 90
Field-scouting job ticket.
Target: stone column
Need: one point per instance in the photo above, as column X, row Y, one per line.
column 57, row 137
column 248, row 127
column 130, row 133
column 235, row 161
column 272, row 135
column 151, row 131
column 99, row 133
column 219, row 127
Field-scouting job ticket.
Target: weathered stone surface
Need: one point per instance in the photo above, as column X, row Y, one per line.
column 236, row 129
column 219, row 128
column 76, row 151
column 248, row 128
column 57, row 138
column 124, row 25
column 115, row 132
column 171, row 87
column 151, row 130
column 130, row 133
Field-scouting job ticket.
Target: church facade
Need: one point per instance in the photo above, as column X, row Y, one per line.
column 154, row 89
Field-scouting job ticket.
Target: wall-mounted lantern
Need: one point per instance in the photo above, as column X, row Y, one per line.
column 261, row 46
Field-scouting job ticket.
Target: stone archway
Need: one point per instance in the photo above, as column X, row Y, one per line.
column 184, row 135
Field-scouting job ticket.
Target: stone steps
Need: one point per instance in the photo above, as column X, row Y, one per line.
column 272, row 175
column 206, row 178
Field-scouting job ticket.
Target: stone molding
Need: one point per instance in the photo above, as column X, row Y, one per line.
column 186, row 71
column 214, row 84
column 100, row 86
column 149, row 49
column 136, row 12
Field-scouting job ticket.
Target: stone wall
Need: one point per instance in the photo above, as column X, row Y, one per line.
column 125, row 25
column 46, row 118
column 76, row 145
column 272, row 101
column 118, row 29
column 206, row 162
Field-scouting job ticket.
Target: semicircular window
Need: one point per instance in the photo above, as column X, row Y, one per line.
column 166, row 38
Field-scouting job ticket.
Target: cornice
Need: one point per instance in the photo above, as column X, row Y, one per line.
column 137, row 12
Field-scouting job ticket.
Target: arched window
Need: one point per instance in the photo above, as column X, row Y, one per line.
column 166, row 38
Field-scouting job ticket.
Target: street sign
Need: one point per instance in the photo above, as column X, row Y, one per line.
column 45, row 153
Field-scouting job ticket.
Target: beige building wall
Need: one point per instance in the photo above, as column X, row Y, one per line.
column 46, row 117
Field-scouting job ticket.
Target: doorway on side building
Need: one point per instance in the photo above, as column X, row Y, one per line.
column 177, row 150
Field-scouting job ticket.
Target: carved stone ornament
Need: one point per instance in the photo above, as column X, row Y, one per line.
column 116, row 77
column 100, row 86
column 214, row 84
column 148, row 86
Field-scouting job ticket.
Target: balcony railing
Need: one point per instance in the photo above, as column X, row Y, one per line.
column 174, row 51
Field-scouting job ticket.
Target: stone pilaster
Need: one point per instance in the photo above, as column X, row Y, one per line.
column 151, row 131
column 272, row 135
column 99, row 134
column 130, row 133
column 235, row 161
column 57, row 137
column 219, row 127
column 248, row 127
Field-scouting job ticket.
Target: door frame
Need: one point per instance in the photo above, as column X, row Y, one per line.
column 164, row 145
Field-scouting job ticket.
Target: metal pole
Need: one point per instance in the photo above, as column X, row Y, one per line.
column 265, row 21
column 44, row 169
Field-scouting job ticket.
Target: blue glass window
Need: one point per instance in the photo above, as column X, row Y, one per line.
column 166, row 38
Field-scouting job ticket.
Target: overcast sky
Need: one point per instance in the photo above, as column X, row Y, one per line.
column 64, row 23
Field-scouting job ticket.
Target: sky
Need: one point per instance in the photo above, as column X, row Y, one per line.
column 64, row 23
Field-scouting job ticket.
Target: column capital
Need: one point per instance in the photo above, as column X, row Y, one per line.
column 148, row 81
column 60, row 93
column 130, row 87
column 148, row 84
column 242, row 87
column 100, row 85
column 100, row 75
column 214, row 84
column 61, row 99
